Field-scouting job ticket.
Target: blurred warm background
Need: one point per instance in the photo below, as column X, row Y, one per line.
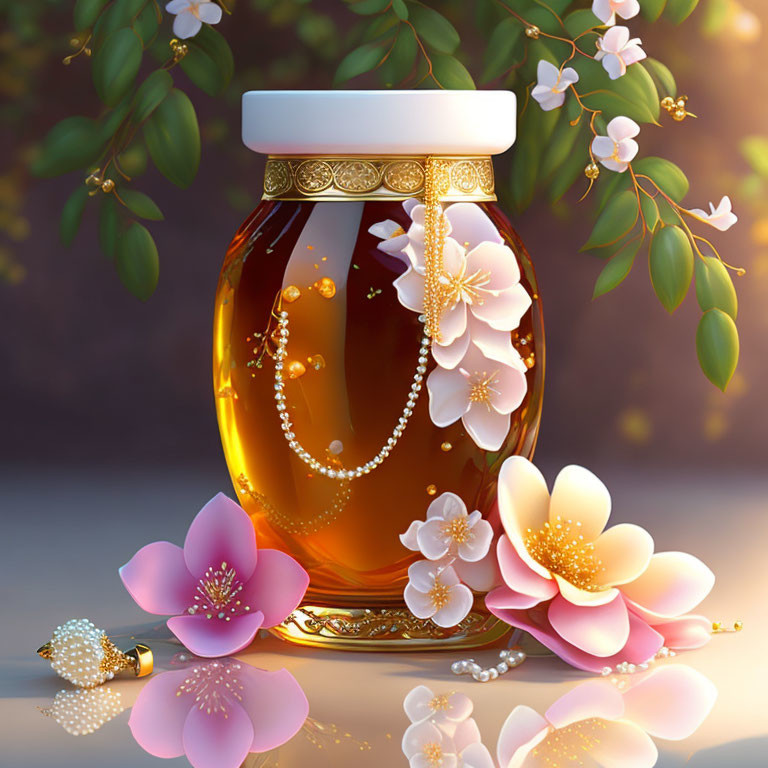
column 92, row 376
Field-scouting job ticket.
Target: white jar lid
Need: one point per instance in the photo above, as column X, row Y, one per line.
column 379, row 122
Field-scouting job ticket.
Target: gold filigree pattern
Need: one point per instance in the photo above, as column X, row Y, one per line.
column 375, row 178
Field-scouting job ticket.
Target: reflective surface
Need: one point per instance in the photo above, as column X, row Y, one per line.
column 357, row 349
column 356, row 715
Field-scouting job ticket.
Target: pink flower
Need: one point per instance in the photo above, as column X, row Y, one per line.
column 552, row 84
column 481, row 392
column 435, row 592
column 606, row 10
column 605, row 726
column 722, row 217
column 595, row 597
column 217, row 712
column 450, row 531
column 219, row 590
column 447, row 710
column 190, row 15
column 617, row 51
column 618, row 149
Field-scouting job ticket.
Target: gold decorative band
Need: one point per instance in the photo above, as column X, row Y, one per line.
column 289, row 177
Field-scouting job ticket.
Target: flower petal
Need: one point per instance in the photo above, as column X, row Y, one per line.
column 215, row 637
column 476, row 548
column 215, row 739
column 456, row 609
column 276, row 588
column 470, row 225
column 601, row 630
column 499, row 260
column 417, row 704
column 157, row 578
column 495, row 345
column 614, row 65
column 481, row 576
column 523, row 500
column 504, row 311
column 671, row 702
column 486, row 427
column 186, row 25
column 503, row 598
column 578, row 596
column 519, row 577
column 448, row 396
column 453, row 323
column 594, row 698
column 408, row 539
column 620, row 745
column 627, row 149
column 433, row 543
column 209, row 12
column 221, row 532
column 410, row 290
column 158, row 716
column 521, row 728
column 685, row 633
column 419, row 603
column 625, row 551
column 476, row 756
column 547, row 73
column 466, row 734
column 418, row 735
column 275, row 704
column 421, row 574
column 621, row 128
column 512, row 387
column 673, row 584
column 448, row 356
column 602, row 146
column 581, row 496
column 177, row 6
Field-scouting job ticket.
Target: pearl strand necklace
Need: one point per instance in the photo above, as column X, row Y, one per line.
column 287, row 426
column 509, row 658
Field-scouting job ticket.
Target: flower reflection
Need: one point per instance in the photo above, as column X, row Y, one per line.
column 217, row 712
column 596, row 723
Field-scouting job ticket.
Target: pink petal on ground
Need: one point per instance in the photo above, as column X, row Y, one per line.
column 448, row 396
column 673, row 584
column 600, row 630
column 488, row 428
column 499, row 260
column 158, row 579
column 521, row 727
column 221, row 533
column 218, row 739
column 276, row 588
column 158, row 716
column 275, row 704
column 215, row 637
column 519, row 577
column 470, row 225
column 671, row 702
column 595, row 698
column 625, row 551
column 581, row 496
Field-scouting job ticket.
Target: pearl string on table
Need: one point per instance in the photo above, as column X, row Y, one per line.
column 287, row 426
column 509, row 658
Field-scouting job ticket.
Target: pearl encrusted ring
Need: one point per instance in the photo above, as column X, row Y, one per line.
column 84, row 655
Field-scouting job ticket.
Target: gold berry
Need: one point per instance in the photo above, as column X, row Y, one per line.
column 592, row 171
column 668, row 103
column 533, row 32
column 295, row 369
column 431, row 489
column 679, row 115
column 291, row 293
column 738, row 625
column 107, row 185
column 326, row 287
column 717, row 626
column 446, row 446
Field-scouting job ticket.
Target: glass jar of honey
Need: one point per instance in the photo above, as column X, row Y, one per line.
column 378, row 341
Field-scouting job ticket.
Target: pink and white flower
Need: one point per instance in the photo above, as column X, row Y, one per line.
column 450, row 531
column 607, row 10
column 446, row 710
column 617, row 52
column 722, row 217
column 481, row 392
column 595, row 597
column 436, row 592
column 552, row 83
column 217, row 712
column 219, row 588
column 190, row 15
column 607, row 726
column 618, row 149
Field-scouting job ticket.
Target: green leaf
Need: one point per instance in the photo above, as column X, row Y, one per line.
column 671, row 265
column 652, row 9
column 137, row 262
column 716, row 14
column 618, row 217
column 359, row 61
column 133, row 161
column 755, row 151
column 146, row 24
column 650, row 211
column 86, row 12
column 662, row 77
column 617, row 268
column 140, row 204
column 560, row 146
column 150, row 94
column 434, row 29
column 116, row 64
column 209, row 63
column 501, row 52
column 714, row 287
column 400, row 9
column 109, row 226
column 400, row 61
column 120, row 14
column 573, row 168
column 368, row 7
column 73, row 143
column 450, row 73
column 578, row 22
column 72, row 214
column 717, row 345
column 114, row 118
column 172, row 136
column 667, row 176
column 667, row 213
column 678, row 11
